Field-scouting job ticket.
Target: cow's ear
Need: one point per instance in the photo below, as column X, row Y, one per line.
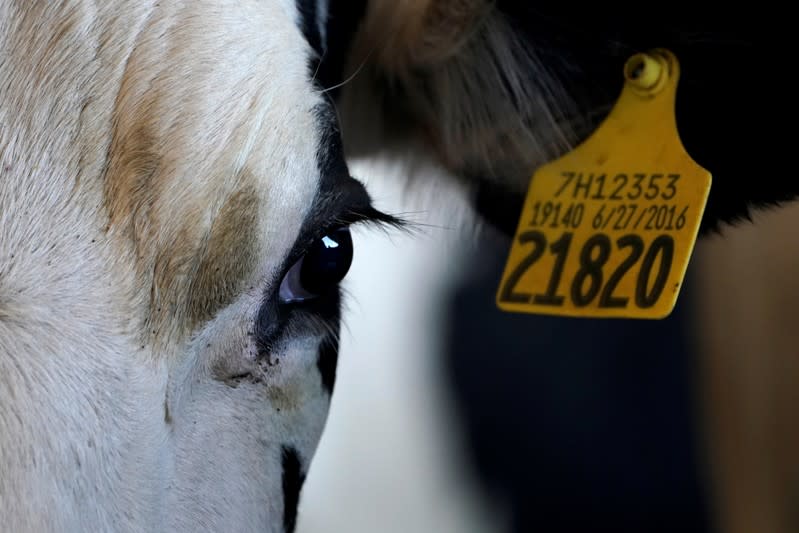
column 455, row 76
column 495, row 88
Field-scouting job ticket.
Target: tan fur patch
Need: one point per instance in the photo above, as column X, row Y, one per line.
column 228, row 256
column 195, row 261
column 128, row 183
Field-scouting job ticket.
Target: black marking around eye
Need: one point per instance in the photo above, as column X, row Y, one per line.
column 293, row 479
column 328, row 361
column 330, row 152
column 274, row 320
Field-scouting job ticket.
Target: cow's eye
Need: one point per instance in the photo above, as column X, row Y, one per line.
column 320, row 270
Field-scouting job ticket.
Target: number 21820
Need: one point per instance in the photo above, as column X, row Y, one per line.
column 589, row 281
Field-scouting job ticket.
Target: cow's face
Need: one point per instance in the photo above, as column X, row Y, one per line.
column 175, row 207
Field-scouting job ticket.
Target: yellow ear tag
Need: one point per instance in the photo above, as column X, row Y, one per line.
column 608, row 229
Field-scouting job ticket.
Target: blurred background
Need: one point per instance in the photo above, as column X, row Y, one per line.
column 449, row 416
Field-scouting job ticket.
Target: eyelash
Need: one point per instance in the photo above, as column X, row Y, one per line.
column 348, row 219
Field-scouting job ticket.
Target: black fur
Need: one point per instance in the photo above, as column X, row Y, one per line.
column 577, row 425
column 308, row 10
column 328, row 361
column 344, row 17
column 293, row 480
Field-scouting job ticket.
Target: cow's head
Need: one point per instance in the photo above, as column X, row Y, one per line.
column 174, row 205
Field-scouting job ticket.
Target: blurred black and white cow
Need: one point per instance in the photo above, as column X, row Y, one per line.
column 175, row 203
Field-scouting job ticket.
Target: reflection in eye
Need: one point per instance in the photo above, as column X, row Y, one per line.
column 321, row 269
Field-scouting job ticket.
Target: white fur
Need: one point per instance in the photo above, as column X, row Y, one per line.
column 104, row 427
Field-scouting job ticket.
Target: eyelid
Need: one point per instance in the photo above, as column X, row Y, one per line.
column 347, row 218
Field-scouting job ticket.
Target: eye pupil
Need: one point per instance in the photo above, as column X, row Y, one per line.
column 327, row 261
column 321, row 269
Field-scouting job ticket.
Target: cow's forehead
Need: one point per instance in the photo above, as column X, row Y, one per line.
column 213, row 160
column 195, row 125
